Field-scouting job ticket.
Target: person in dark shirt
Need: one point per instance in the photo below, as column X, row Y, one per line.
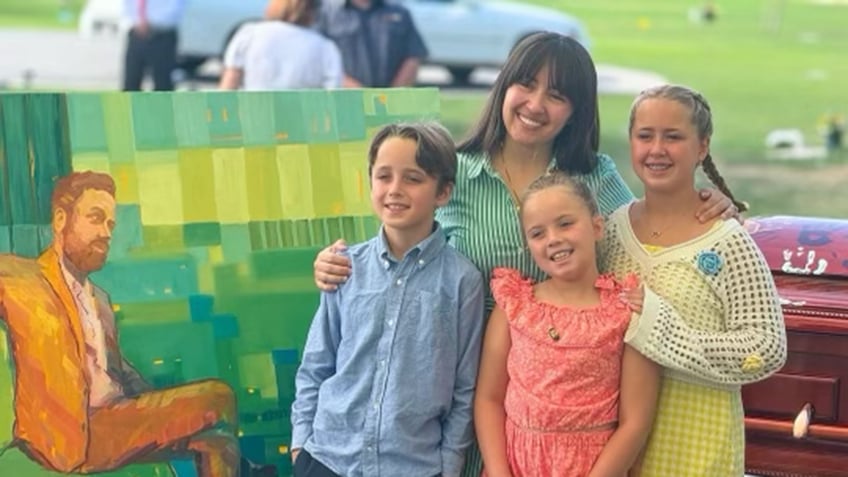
column 379, row 43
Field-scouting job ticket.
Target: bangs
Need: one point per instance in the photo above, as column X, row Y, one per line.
column 561, row 64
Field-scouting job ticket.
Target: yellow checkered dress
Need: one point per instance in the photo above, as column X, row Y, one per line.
column 711, row 317
column 698, row 432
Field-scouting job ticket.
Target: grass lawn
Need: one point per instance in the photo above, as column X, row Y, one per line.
column 757, row 72
column 40, row 13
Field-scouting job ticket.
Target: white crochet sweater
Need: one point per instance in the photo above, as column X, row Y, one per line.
column 711, row 314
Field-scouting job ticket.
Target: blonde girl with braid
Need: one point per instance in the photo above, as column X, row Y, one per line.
column 711, row 314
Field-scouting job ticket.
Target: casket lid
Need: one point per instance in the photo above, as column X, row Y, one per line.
column 802, row 245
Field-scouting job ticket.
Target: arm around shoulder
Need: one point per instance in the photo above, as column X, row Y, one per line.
column 612, row 191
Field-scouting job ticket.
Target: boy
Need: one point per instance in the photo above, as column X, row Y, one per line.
column 387, row 379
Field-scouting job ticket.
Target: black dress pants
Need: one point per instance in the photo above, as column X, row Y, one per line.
column 155, row 52
column 306, row 466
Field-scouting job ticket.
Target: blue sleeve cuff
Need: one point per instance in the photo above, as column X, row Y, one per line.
column 300, row 434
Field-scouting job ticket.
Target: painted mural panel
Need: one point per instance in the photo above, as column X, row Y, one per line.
column 155, row 276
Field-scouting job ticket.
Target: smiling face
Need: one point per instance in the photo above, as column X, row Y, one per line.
column 561, row 233
column 665, row 147
column 534, row 112
column 403, row 195
column 87, row 230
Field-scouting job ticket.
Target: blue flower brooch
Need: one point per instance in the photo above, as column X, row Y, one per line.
column 709, row 262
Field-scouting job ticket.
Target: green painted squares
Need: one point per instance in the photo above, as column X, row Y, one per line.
column 319, row 114
column 25, row 240
column 263, row 194
column 92, row 161
column 202, row 234
column 243, row 188
column 162, row 237
column 398, row 104
column 5, row 239
column 86, row 123
column 128, row 231
column 350, row 117
column 197, row 177
column 290, row 126
column 318, row 233
column 256, row 110
column 224, row 120
column 332, row 229
column 301, row 233
column 20, row 191
column 48, row 147
column 153, row 121
column 235, row 241
column 257, row 236
column 230, row 185
column 356, row 188
column 117, row 117
column 273, row 238
column 327, row 191
column 159, row 188
column 295, row 177
column 191, row 119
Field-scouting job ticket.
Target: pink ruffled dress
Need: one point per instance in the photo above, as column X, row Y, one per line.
column 562, row 398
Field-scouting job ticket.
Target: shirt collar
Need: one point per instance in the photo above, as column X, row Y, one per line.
column 481, row 162
column 423, row 252
column 70, row 279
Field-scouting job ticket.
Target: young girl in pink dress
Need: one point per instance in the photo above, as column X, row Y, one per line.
column 558, row 391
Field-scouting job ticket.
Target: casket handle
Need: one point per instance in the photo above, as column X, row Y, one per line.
column 801, row 426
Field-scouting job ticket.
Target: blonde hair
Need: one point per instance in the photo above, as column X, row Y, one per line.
column 561, row 179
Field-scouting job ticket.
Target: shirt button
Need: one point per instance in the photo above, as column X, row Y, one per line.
column 382, row 362
column 370, row 448
column 421, row 262
column 390, row 323
column 399, row 282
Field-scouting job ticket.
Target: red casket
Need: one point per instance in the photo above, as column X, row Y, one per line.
column 809, row 260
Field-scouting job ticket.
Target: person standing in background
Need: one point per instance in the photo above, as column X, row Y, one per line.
column 282, row 52
column 152, row 42
column 379, row 43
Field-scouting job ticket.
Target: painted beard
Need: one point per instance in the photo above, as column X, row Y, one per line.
column 85, row 257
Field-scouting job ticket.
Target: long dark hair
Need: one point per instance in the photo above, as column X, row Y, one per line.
column 572, row 74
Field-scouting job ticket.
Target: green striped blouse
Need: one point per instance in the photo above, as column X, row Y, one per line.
column 481, row 220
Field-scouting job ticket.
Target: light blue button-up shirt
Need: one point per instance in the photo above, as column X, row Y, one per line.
column 159, row 13
column 386, row 383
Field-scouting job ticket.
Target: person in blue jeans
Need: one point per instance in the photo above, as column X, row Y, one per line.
column 387, row 378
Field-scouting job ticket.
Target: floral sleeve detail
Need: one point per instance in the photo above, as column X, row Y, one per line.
column 510, row 290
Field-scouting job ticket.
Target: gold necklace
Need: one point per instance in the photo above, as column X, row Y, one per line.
column 656, row 233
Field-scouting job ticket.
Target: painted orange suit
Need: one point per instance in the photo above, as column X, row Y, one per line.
column 54, row 424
